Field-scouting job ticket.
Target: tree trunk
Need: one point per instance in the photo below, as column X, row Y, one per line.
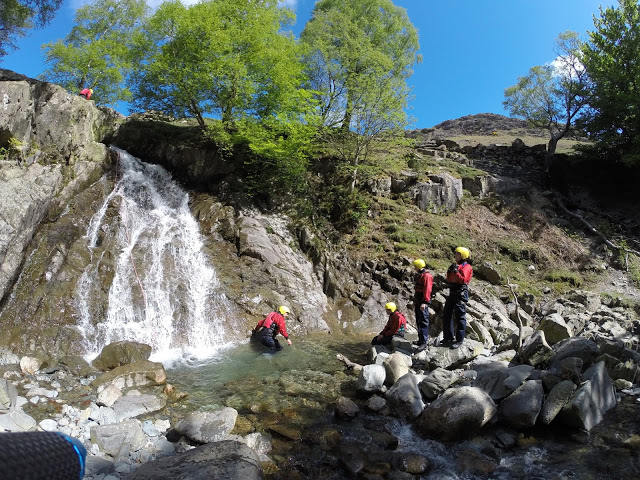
column 197, row 114
column 551, row 151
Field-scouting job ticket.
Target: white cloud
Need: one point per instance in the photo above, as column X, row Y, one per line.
column 289, row 3
column 567, row 66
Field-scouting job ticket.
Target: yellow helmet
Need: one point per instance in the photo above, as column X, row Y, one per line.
column 91, row 90
column 464, row 252
column 391, row 306
column 419, row 263
column 283, row 310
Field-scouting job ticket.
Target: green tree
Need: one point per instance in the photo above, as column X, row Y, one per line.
column 228, row 58
column 359, row 55
column 612, row 59
column 552, row 96
column 97, row 51
column 18, row 16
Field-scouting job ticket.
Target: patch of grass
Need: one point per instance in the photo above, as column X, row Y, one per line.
column 564, row 276
column 520, row 250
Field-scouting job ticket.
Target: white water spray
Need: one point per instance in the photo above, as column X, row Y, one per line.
column 163, row 291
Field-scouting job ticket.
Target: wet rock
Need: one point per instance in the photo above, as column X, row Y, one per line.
column 376, row 403
column 555, row 328
column 352, row 458
column 77, row 365
column 457, row 413
column 346, row 408
column 290, row 433
column 405, row 398
column 522, row 407
column 556, row 400
column 207, row 427
column 226, row 459
column 412, row 463
column 591, row 401
column 371, row 379
column 117, row 354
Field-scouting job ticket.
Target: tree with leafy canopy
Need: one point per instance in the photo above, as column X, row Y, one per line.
column 611, row 57
column 359, row 55
column 18, row 16
column 552, row 96
column 229, row 58
column 97, row 51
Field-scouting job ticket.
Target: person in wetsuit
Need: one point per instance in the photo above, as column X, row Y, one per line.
column 395, row 326
column 268, row 328
column 454, row 322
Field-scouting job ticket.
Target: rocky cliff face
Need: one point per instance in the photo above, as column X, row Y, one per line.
column 51, row 144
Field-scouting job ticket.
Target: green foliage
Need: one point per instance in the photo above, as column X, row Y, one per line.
column 358, row 56
column 14, row 150
column 228, row 58
column 552, row 96
column 279, row 154
column 564, row 276
column 612, row 60
column 97, row 52
column 18, row 16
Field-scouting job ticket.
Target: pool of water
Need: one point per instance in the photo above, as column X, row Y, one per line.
column 290, row 397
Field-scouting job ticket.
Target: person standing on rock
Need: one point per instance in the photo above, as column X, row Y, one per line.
column 86, row 93
column 395, row 326
column 268, row 328
column 454, row 322
column 421, row 302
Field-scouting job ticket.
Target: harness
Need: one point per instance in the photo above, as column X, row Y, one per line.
column 403, row 324
column 270, row 325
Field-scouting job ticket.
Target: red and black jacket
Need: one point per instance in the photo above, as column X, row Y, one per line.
column 424, row 284
column 274, row 322
column 459, row 276
column 395, row 325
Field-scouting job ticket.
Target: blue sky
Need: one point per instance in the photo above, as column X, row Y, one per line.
column 472, row 49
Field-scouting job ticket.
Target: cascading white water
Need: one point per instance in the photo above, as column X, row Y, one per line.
column 163, row 290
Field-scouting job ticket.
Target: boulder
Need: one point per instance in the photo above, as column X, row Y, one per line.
column 458, row 413
column 522, row 407
column 578, row 347
column 207, row 427
column 227, row 459
column 131, row 406
column 516, row 377
column 30, row 365
column 77, row 365
column 555, row 328
column 395, row 366
column 346, row 408
column 138, row 374
column 490, row 379
column 591, row 401
column 444, row 357
column 371, row 379
column 556, row 400
column 121, row 353
column 17, row 421
column 535, row 349
column 405, row 398
column 436, row 382
column 119, row 439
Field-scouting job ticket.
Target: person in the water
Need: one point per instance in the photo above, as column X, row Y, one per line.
column 268, row 328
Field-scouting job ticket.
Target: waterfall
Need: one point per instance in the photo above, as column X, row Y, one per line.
column 147, row 251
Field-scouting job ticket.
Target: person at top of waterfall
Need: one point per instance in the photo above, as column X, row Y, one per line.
column 268, row 328
column 395, row 326
column 421, row 302
column 454, row 322
column 86, row 93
